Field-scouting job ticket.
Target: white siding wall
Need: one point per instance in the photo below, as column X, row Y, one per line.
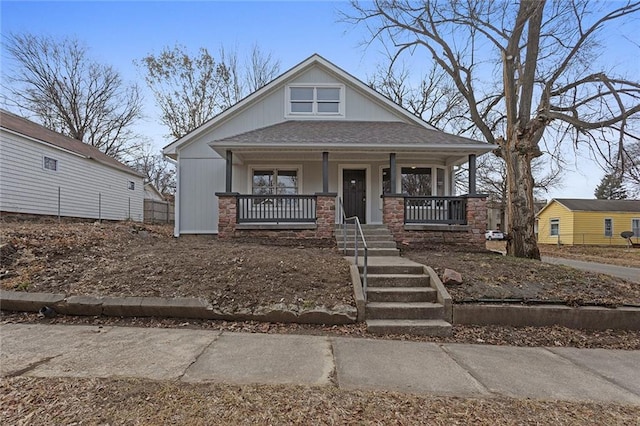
column 199, row 180
column 87, row 189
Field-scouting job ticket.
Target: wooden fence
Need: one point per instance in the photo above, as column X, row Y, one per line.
column 158, row 211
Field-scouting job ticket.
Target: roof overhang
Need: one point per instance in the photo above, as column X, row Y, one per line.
column 361, row 140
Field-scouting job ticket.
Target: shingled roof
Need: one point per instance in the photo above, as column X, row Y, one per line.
column 576, row 204
column 33, row 130
column 366, row 133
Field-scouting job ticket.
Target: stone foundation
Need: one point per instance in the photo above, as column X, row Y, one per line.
column 407, row 234
column 323, row 229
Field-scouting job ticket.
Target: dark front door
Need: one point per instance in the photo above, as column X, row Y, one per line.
column 354, row 193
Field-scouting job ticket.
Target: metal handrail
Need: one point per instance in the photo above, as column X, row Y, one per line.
column 357, row 229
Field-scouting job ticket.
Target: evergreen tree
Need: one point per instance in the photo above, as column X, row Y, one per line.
column 611, row 188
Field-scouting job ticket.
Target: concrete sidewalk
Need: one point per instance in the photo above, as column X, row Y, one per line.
column 41, row 350
column 630, row 274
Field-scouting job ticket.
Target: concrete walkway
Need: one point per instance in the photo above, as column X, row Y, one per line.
column 631, row 274
column 194, row 356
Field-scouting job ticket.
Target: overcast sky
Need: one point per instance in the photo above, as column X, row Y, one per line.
column 120, row 32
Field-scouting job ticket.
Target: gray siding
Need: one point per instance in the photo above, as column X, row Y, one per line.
column 87, row 189
column 199, row 180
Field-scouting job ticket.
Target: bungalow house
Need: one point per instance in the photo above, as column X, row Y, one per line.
column 313, row 146
column 46, row 173
column 590, row 222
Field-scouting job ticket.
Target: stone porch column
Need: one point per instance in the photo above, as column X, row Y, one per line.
column 227, row 214
column 477, row 217
column 393, row 214
column 325, row 214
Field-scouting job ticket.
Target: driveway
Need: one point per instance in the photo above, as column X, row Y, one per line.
column 630, row 274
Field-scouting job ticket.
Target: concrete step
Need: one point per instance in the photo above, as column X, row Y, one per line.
column 409, row 310
column 401, row 294
column 369, row 238
column 433, row 327
column 391, row 269
column 371, row 244
column 366, row 232
column 378, row 252
column 397, row 280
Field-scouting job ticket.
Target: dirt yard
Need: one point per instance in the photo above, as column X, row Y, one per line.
column 489, row 275
column 126, row 259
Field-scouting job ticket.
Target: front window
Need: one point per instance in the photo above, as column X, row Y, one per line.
column 635, row 227
column 554, row 228
column 275, row 182
column 315, row 100
column 608, row 227
column 417, row 181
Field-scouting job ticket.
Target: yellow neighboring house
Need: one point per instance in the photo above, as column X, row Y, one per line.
column 590, row 222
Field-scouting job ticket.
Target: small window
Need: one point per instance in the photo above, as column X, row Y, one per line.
column 608, row 227
column 554, row 228
column 312, row 100
column 635, row 228
column 132, row 185
column 51, row 164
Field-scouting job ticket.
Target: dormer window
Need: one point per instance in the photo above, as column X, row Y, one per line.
column 307, row 100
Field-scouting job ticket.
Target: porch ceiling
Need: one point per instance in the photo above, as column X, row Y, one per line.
column 350, row 140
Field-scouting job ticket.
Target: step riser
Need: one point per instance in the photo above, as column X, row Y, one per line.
column 404, row 313
column 374, row 252
column 377, row 281
column 401, row 296
column 393, row 269
column 440, row 331
column 370, row 244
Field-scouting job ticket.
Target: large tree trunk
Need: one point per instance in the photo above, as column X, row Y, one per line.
column 522, row 239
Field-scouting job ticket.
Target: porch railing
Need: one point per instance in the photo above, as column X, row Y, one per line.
column 276, row 208
column 436, row 210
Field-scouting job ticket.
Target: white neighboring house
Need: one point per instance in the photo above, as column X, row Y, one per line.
column 152, row 193
column 46, row 173
column 317, row 132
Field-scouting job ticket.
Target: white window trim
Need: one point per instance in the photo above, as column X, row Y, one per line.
column 636, row 236
column 47, row 169
column 314, row 114
column 551, row 220
column 252, row 167
column 605, row 227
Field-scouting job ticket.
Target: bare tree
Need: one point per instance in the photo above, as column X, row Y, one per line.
column 156, row 169
column 435, row 99
column 191, row 89
column 543, row 56
column 59, row 83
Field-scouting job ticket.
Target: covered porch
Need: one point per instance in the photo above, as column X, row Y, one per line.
column 303, row 189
